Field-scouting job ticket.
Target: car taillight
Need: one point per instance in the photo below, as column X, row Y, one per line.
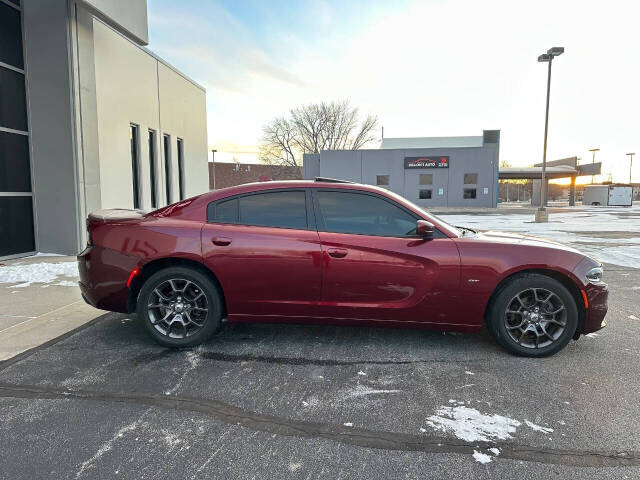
column 89, row 239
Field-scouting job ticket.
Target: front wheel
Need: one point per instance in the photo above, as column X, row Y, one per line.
column 533, row 316
column 180, row 307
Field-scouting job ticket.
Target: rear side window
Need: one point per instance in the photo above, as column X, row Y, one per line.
column 362, row 214
column 272, row 209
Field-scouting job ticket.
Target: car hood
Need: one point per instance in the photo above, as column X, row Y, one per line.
column 507, row 238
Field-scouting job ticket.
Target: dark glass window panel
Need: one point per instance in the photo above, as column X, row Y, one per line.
column 152, row 168
column 364, row 215
column 382, row 180
column 469, row 193
column 10, row 36
column 274, row 209
column 15, row 2
column 181, row 168
column 223, row 212
column 426, row 179
column 13, row 104
column 135, row 165
column 15, row 171
column 16, row 225
column 425, row 194
column 470, row 178
column 166, row 142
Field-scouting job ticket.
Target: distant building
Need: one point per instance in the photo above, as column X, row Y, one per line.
column 222, row 175
column 429, row 171
column 89, row 119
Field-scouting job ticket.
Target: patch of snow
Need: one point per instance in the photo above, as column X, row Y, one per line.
column 481, row 457
column 471, row 425
column 633, row 317
column 348, row 424
column 538, row 428
column 465, row 386
column 361, row 373
column 423, row 430
column 294, row 467
column 26, row 274
column 362, row 391
column 593, row 335
column 469, row 373
column 495, row 451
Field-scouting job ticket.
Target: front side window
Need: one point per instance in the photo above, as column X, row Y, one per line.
column 470, row 178
column 425, row 194
column 469, row 193
column 362, row 214
column 382, row 180
column 272, row 209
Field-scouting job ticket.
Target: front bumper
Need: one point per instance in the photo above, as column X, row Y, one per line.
column 597, row 296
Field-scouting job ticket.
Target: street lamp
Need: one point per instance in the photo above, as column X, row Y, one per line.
column 593, row 159
column 630, row 164
column 541, row 213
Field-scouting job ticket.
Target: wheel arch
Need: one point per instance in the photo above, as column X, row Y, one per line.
column 154, row 266
column 563, row 278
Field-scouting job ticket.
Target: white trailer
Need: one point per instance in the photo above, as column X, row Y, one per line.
column 608, row 195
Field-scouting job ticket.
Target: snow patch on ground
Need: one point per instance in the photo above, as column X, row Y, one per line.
column 633, row 317
column 538, row 428
column 471, row 425
column 26, row 274
column 593, row 335
column 348, row 424
column 481, row 457
column 362, row 391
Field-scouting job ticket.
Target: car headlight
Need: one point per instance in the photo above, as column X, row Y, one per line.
column 595, row 275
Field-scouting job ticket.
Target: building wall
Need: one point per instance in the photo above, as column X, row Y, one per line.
column 128, row 17
column 447, row 183
column 222, row 175
column 133, row 86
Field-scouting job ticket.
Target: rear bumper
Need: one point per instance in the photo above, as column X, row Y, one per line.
column 103, row 277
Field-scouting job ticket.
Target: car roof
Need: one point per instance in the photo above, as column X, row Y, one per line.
column 282, row 184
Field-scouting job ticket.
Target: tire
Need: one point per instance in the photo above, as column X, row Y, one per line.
column 524, row 324
column 180, row 307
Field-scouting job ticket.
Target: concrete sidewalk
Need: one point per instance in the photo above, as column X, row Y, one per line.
column 40, row 301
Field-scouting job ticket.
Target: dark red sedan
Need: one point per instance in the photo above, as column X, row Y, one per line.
column 338, row 253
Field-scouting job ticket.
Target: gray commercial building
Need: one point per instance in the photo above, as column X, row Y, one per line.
column 89, row 119
column 429, row 171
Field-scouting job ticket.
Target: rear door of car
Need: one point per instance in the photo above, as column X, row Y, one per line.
column 375, row 267
column 265, row 250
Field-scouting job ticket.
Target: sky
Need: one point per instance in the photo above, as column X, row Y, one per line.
column 424, row 68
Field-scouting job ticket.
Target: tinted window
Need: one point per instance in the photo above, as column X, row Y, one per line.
column 16, row 225
column 382, row 180
column 363, row 214
column 469, row 193
column 275, row 209
column 14, row 163
column 135, row 165
column 10, row 36
column 425, row 194
column 13, row 106
column 470, row 178
column 227, row 212
column 426, row 179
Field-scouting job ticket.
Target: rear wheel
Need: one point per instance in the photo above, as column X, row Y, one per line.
column 533, row 316
column 180, row 307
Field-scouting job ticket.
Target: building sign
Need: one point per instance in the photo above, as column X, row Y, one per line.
column 426, row 162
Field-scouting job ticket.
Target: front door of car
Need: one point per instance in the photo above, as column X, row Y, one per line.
column 376, row 268
column 265, row 251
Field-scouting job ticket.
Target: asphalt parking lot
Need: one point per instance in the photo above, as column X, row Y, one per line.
column 276, row 401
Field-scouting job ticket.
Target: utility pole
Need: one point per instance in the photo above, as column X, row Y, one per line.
column 630, row 165
column 593, row 160
column 213, row 166
column 542, row 214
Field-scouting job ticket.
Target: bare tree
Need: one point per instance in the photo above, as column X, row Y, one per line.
column 313, row 128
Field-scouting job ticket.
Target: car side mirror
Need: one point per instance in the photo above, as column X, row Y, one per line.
column 424, row 229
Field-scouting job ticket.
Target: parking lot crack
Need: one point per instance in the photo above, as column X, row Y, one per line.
column 354, row 436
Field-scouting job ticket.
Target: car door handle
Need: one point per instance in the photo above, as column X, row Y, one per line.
column 221, row 241
column 337, row 252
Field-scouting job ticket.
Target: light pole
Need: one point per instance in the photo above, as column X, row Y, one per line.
column 630, row 165
column 213, row 166
column 541, row 213
column 593, row 159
